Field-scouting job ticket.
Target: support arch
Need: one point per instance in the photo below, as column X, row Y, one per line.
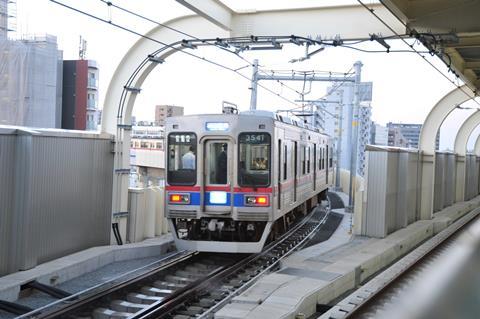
column 426, row 144
column 476, row 149
column 460, row 149
column 123, row 89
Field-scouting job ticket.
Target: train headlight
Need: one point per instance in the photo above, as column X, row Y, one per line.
column 256, row 200
column 183, row 199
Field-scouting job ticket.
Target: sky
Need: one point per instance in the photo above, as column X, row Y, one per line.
column 405, row 87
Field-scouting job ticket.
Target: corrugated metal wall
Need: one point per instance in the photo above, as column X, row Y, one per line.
column 60, row 187
column 7, row 160
column 471, row 176
column 392, row 188
column 450, row 175
column 381, row 177
column 439, row 186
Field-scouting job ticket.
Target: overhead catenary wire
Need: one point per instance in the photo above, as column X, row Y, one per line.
column 334, row 88
column 335, row 43
column 372, row 11
column 169, row 46
column 111, row 4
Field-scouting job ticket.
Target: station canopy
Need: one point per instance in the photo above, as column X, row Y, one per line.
column 455, row 25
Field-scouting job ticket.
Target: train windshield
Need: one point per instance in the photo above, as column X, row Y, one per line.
column 254, row 159
column 182, row 159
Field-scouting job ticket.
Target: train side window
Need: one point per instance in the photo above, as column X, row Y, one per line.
column 330, row 160
column 308, row 160
column 285, row 154
column 323, row 158
column 328, row 156
column 182, row 159
column 254, row 159
column 303, row 152
column 320, row 158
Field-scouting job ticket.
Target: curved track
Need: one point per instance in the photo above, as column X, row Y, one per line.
column 185, row 284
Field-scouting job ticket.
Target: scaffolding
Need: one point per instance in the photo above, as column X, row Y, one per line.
column 30, row 82
column 8, row 17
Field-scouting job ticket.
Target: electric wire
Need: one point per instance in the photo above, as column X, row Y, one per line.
column 111, row 4
column 350, row 43
column 168, row 45
column 372, row 11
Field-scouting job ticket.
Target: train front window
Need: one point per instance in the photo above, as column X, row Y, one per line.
column 182, row 159
column 254, row 159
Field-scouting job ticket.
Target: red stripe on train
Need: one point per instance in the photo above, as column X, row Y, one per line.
column 219, row 188
column 183, row 188
column 252, row 190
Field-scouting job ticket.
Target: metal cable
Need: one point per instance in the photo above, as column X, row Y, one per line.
column 372, row 11
column 167, row 45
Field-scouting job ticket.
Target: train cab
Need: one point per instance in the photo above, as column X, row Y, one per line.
column 221, row 188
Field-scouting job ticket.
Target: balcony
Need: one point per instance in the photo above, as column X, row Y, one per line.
column 91, row 104
column 92, row 83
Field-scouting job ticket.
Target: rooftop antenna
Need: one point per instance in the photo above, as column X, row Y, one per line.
column 82, row 48
column 229, row 108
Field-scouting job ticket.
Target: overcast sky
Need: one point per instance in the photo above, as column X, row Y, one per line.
column 404, row 86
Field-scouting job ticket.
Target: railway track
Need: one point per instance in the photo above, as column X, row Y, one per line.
column 185, row 284
column 377, row 298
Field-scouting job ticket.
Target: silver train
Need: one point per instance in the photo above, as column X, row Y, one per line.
column 236, row 181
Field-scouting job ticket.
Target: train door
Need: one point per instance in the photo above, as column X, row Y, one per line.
column 217, row 179
column 279, row 175
column 326, row 166
column 314, row 167
column 295, row 170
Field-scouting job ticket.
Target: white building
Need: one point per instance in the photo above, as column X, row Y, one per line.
column 147, row 154
column 338, row 106
column 379, row 135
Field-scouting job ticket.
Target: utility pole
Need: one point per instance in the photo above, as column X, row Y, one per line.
column 339, row 142
column 355, row 118
column 253, row 97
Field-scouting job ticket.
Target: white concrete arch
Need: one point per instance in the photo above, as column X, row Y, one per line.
column 194, row 25
column 214, row 20
column 476, row 149
column 118, row 122
column 460, row 148
column 438, row 114
column 426, row 143
column 464, row 133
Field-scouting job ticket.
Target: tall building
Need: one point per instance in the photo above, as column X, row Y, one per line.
column 31, row 82
column 3, row 19
column 379, row 135
column 396, row 138
column 338, row 107
column 411, row 133
column 80, row 95
column 164, row 111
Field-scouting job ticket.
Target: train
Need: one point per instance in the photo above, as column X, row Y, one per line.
column 236, row 181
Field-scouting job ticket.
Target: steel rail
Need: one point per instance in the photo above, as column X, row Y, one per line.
column 420, row 258
column 161, row 309
column 99, row 291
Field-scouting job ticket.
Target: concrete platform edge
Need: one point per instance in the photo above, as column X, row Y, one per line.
column 77, row 264
column 353, row 269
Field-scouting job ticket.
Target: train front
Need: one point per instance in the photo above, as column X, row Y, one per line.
column 218, row 185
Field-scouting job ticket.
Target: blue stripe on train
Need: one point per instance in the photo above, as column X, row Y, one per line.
column 207, row 200
column 238, row 200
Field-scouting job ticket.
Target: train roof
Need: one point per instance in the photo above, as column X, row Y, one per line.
column 268, row 114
